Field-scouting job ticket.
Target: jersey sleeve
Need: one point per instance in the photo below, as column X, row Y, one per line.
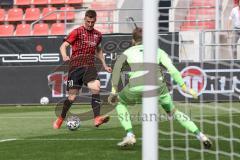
column 167, row 63
column 100, row 40
column 71, row 37
column 116, row 73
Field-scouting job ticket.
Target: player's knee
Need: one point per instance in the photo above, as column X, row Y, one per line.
column 94, row 86
column 95, row 90
column 72, row 98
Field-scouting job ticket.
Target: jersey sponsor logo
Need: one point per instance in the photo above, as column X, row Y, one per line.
column 29, row 58
column 194, row 78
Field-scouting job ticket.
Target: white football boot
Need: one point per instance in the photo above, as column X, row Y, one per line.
column 129, row 140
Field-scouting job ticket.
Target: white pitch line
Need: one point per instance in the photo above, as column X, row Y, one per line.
column 6, row 140
column 89, row 139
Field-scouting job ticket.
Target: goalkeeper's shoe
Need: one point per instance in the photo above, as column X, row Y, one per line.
column 99, row 120
column 205, row 140
column 57, row 124
column 127, row 141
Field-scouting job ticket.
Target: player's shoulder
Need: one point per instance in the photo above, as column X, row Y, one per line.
column 133, row 49
column 97, row 32
column 161, row 51
column 76, row 30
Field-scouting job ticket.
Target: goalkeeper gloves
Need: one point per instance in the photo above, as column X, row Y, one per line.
column 189, row 91
column 113, row 97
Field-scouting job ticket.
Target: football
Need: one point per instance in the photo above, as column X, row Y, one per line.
column 44, row 100
column 73, row 123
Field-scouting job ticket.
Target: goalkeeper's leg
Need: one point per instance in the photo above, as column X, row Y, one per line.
column 126, row 97
column 183, row 119
column 124, row 118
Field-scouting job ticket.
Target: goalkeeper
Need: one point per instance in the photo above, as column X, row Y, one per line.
column 132, row 92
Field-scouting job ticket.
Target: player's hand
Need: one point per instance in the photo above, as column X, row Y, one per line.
column 189, row 91
column 108, row 69
column 113, row 98
column 66, row 58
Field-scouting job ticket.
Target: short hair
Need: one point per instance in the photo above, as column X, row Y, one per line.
column 91, row 14
column 137, row 34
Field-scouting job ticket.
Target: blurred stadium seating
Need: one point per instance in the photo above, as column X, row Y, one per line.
column 6, row 30
column 32, row 14
column 14, row 14
column 51, row 14
column 46, row 12
column 200, row 18
column 23, row 30
column 22, row 2
column 40, row 29
column 57, row 29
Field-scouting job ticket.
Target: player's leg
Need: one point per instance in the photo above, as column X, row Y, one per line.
column 74, row 83
column 167, row 103
column 94, row 87
column 126, row 97
column 66, row 106
column 92, row 81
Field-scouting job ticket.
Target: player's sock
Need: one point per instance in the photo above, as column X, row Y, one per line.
column 185, row 121
column 129, row 134
column 66, row 105
column 96, row 104
column 124, row 116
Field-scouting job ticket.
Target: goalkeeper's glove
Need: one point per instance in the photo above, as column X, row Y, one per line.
column 189, row 91
column 113, row 97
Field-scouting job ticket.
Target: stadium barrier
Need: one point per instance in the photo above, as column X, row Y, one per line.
column 31, row 68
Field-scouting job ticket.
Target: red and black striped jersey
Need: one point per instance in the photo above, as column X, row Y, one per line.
column 84, row 44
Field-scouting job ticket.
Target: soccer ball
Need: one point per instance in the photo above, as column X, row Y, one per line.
column 44, row 100
column 73, row 123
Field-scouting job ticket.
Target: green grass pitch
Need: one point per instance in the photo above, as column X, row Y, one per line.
column 26, row 134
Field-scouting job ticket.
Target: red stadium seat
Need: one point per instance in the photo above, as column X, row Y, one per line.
column 40, row 2
column 69, row 15
column 56, row 1
column 32, row 14
column 2, row 15
column 57, row 29
column 15, row 14
column 52, row 16
column 73, row 1
column 6, row 30
column 101, row 5
column 22, row 2
column 40, row 29
column 23, row 30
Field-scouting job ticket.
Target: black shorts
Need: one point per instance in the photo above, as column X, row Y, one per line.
column 81, row 76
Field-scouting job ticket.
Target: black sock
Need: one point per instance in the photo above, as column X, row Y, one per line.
column 66, row 105
column 96, row 104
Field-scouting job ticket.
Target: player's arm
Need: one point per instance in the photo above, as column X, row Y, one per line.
column 67, row 41
column 63, row 51
column 113, row 97
column 117, row 72
column 175, row 74
column 167, row 63
column 99, row 55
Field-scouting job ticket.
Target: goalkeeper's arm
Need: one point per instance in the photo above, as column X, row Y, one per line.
column 175, row 74
column 117, row 72
column 113, row 97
